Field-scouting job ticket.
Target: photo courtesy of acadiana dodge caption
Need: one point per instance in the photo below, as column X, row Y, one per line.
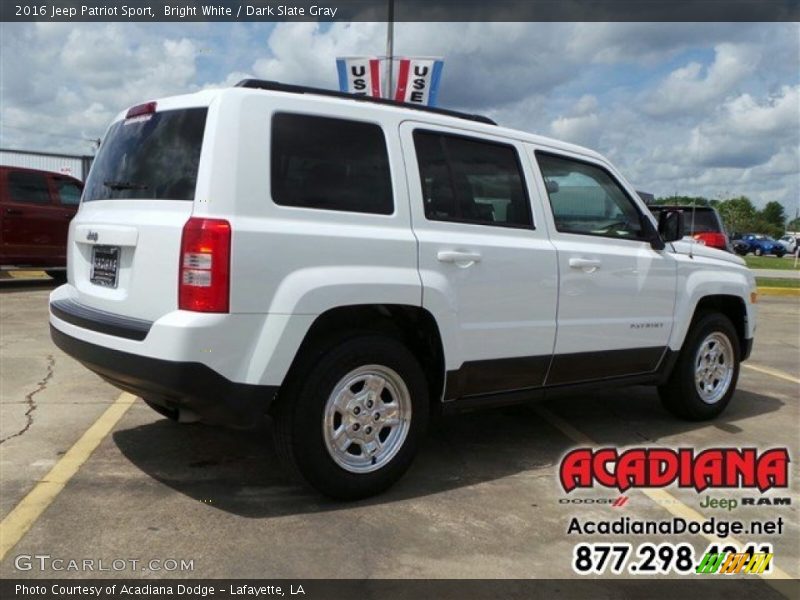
column 343, row 268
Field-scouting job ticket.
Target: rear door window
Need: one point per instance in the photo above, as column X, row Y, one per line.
column 330, row 164
column 150, row 157
column 470, row 180
column 28, row 188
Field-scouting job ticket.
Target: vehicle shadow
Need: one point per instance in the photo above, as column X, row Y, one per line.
column 8, row 286
column 238, row 472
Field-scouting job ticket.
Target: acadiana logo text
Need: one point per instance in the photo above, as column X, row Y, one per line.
column 661, row 467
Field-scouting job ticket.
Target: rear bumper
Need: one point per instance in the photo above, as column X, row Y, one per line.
column 175, row 385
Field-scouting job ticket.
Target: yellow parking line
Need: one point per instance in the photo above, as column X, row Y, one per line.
column 772, row 372
column 659, row 496
column 777, row 291
column 25, row 514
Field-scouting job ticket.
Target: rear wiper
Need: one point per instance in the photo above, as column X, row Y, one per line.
column 124, row 185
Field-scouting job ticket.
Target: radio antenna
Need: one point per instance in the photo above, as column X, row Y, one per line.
column 691, row 230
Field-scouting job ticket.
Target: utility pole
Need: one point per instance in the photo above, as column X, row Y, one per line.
column 389, row 51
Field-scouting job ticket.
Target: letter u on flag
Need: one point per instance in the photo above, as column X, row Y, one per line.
column 360, row 75
column 418, row 80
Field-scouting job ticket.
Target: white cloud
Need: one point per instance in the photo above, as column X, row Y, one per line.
column 692, row 86
column 745, row 132
column 644, row 94
column 582, row 126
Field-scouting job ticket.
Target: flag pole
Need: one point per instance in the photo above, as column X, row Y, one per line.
column 390, row 51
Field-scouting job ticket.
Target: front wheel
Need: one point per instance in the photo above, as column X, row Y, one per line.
column 350, row 418
column 704, row 378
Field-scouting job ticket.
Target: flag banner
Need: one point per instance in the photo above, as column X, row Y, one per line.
column 418, row 80
column 359, row 75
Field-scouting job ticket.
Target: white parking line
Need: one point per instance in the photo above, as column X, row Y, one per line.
column 772, row 372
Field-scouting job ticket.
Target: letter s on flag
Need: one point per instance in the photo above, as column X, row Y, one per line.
column 418, row 80
column 359, row 75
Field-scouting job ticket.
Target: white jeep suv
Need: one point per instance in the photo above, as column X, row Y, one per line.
column 349, row 266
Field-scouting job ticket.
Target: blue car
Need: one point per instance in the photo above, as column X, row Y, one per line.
column 759, row 244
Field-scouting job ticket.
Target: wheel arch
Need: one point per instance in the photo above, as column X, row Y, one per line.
column 731, row 306
column 414, row 326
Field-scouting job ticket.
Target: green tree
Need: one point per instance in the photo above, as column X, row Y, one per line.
column 738, row 214
column 793, row 225
column 773, row 214
column 683, row 200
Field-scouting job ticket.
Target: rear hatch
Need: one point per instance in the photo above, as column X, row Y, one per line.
column 125, row 241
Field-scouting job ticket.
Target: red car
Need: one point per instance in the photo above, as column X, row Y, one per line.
column 705, row 225
column 35, row 210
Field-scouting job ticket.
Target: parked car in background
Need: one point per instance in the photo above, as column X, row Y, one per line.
column 36, row 208
column 760, row 244
column 740, row 247
column 705, row 225
column 789, row 242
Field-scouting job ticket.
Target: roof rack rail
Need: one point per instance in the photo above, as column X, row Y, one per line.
column 277, row 86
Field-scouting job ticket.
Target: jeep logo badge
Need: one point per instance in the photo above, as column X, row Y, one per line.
column 92, row 236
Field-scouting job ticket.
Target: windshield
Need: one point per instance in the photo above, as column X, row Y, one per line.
column 150, row 157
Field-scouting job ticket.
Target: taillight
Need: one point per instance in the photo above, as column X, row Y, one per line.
column 204, row 279
column 148, row 108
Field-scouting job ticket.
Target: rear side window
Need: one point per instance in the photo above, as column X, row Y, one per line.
column 150, row 157
column 471, row 181
column 69, row 192
column 332, row 164
column 30, row 188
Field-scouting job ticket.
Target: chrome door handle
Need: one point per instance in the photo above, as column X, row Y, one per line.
column 458, row 257
column 587, row 264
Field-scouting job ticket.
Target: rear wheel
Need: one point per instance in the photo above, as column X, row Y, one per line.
column 704, row 379
column 780, row 253
column 350, row 419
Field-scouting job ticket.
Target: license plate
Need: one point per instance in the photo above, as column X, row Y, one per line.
column 105, row 266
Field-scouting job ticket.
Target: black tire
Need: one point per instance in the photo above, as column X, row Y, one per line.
column 680, row 395
column 170, row 413
column 780, row 253
column 60, row 277
column 758, row 252
column 300, row 408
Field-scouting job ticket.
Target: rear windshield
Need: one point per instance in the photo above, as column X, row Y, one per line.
column 149, row 157
column 704, row 220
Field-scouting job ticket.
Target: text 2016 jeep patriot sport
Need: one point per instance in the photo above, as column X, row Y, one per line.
column 350, row 266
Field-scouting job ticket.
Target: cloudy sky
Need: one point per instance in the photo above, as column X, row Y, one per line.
column 708, row 109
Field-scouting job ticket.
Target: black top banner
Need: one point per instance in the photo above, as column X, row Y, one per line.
column 401, row 10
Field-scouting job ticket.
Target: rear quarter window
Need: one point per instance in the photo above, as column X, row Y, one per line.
column 68, row 192
column 331, row 164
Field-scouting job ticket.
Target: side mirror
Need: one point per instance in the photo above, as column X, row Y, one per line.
column 670, row 225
